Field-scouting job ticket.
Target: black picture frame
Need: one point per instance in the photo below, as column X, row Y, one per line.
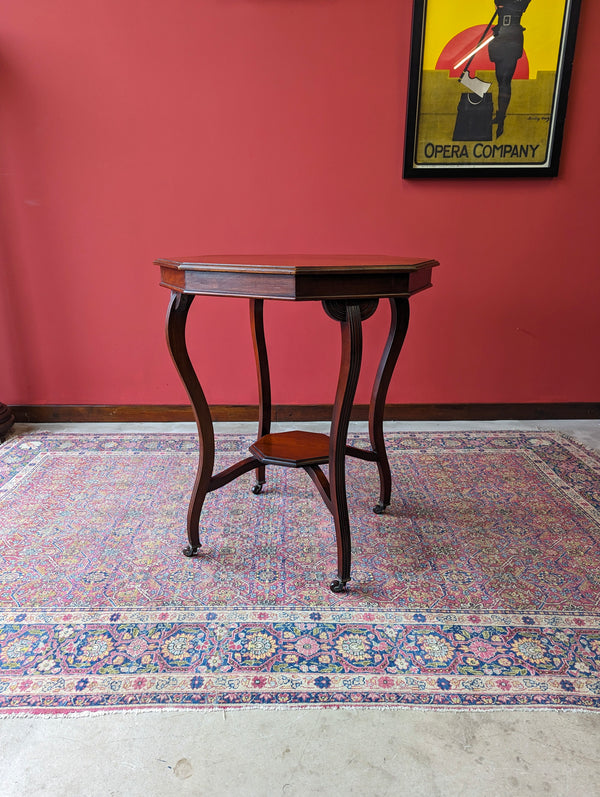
column 448, row 128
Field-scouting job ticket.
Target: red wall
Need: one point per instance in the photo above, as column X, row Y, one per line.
column 137, row 129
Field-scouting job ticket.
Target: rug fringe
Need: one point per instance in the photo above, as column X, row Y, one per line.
column 71, row 714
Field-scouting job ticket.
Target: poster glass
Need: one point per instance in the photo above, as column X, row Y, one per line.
column 488, row 86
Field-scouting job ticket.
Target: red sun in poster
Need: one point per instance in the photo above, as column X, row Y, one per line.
column 456, row 54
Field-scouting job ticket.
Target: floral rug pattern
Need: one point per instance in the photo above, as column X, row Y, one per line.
column 479, row 587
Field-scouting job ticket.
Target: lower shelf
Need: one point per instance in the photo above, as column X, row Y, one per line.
column 292, row 449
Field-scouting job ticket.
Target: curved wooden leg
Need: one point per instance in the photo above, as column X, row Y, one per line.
column 397, row 333
column 175, row 327
column 264, row 382
column 348, row 379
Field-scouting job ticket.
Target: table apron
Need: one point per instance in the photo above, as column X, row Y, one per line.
column 296, row 288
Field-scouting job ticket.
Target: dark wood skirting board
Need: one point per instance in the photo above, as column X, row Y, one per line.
column 137, row 413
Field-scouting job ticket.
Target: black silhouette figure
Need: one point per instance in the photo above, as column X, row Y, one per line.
column 504, row 50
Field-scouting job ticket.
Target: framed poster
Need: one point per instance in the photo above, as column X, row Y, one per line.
column 489, row 81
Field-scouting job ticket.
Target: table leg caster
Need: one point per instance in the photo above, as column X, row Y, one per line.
column 338, row 585
column 257, row 489
column 191, row 550
column 380, row 508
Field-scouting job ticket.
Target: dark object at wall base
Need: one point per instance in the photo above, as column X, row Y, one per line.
column 6, row 420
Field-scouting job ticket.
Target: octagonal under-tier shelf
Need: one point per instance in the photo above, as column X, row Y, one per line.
column 292, row 449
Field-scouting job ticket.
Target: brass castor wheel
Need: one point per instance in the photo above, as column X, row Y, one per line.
column 257, row 489
column 191, row 550
column 338, row 585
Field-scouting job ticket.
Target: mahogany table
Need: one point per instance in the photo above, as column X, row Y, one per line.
column 349, row 288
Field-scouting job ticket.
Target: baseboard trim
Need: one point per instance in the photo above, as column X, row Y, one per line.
column 172, row 413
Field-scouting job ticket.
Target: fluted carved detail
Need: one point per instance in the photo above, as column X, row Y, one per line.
column 337, row 309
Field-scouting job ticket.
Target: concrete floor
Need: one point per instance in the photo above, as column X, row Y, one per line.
column 297, row 752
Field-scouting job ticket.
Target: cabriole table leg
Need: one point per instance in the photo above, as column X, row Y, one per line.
column 264, row 383
column 175, row 327
column 351, row 327
column 398, row 327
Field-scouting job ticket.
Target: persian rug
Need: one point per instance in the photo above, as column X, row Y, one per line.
column 479, row 587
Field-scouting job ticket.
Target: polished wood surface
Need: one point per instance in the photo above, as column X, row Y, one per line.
column 349, row 288
column 296, row 263
column 293, row 449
